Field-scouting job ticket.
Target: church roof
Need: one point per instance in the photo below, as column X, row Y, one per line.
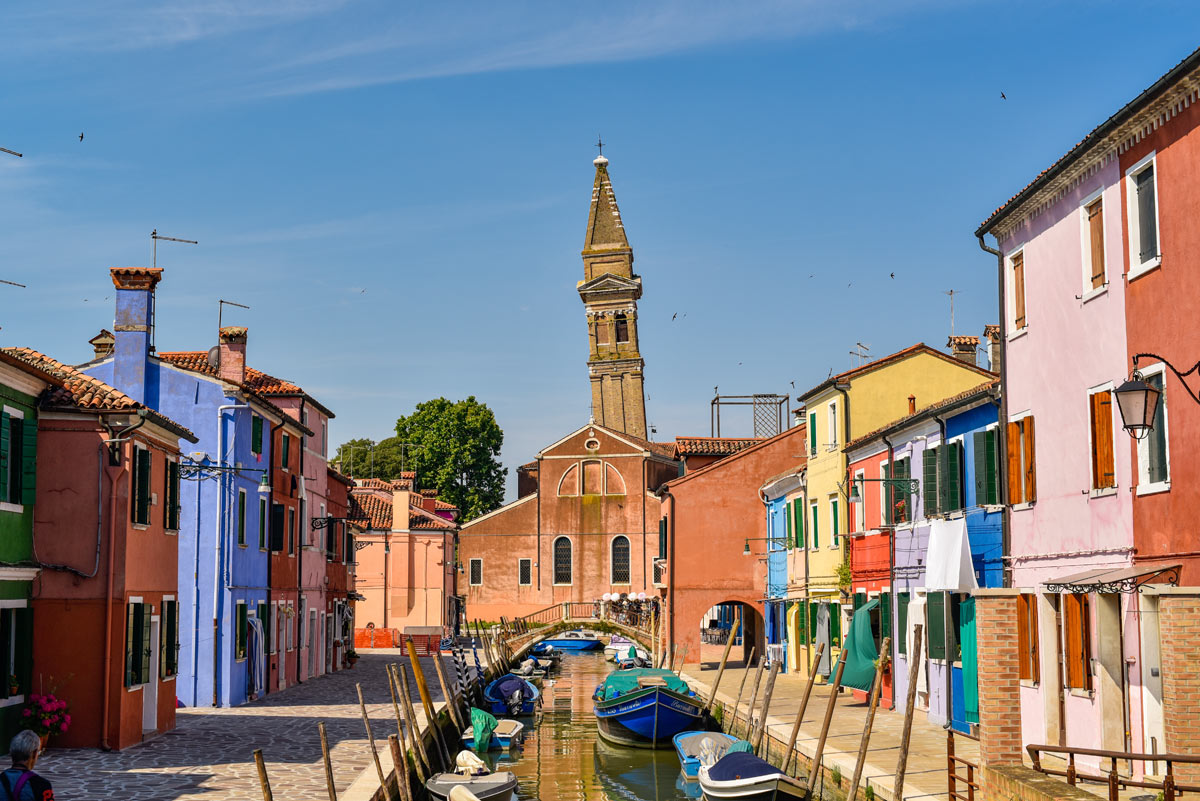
column 605, row 231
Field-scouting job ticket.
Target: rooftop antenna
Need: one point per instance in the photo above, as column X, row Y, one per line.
column 952, row 293
column 10, row 152
column 862, row 352
column 13, row 283
column 154, row 237
column 221, row 304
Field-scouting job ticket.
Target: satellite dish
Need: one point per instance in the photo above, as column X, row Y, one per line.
column 213, row 360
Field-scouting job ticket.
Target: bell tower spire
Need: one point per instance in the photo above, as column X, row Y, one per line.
column 610, row 291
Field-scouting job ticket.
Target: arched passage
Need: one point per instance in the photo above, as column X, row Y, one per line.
column 714, row 628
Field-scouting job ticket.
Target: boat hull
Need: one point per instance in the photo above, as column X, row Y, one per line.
column 689, row 764
column 574, row 645
column 775, row 787
column 493, row 787
column 648, row 718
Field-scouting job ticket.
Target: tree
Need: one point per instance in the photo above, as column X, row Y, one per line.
column 455, row 447
column 354, row 457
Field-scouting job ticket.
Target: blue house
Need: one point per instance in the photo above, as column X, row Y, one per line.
column 225, row 534
column 779, row 543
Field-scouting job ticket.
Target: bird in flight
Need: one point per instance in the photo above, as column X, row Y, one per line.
column 673, row 316
column 81, row 136
column 893, row 276
column 1002, row 97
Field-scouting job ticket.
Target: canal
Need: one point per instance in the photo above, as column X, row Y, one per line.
column 564, row 758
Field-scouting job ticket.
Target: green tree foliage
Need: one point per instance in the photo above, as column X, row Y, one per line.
column 455, row 447
column 354, row 457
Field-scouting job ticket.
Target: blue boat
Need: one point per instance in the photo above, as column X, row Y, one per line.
column 511, row 696
column 645, row 707
column 506, row 735
column 690, row 744
column 577, row 640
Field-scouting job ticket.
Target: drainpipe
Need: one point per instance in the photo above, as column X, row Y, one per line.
column 305, row 530
column 115, row 471
column 892, row 612
column 946, row 605
column 220, row 557
column 1002, row 439
column 845, row 545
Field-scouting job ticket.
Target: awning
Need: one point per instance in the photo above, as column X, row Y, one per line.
column 948, row 565
column 1116, row 579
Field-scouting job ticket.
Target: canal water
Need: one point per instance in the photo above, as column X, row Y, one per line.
column 564, row 758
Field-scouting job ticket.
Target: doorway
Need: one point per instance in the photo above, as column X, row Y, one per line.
column 329, row 643
column 312, row 643
column 150, row 688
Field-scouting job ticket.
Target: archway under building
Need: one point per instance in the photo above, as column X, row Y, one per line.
column 716, row 627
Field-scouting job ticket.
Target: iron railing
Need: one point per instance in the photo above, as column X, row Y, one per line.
column 1115, row 781
column 953, row 777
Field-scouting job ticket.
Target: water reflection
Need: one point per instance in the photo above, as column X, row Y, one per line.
column 564, row 759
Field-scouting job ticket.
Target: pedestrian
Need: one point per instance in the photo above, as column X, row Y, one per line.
column 20, row 783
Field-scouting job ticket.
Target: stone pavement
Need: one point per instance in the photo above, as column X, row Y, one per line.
column 209, row 755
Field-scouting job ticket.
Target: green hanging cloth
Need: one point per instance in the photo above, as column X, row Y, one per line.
column 482, row 726
column 970, row 659
column 861, row 653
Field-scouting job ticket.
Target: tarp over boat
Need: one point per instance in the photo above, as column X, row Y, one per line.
column 623, row 682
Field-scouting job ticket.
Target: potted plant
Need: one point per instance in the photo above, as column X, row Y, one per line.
column 14, row 685
column 351, row 656
column 46, row 715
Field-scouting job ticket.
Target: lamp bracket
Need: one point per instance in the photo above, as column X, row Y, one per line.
column 1180, row 375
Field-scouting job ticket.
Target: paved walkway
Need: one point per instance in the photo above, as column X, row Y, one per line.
column 209, row 755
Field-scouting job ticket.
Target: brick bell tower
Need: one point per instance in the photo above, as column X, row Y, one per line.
column 610, row 291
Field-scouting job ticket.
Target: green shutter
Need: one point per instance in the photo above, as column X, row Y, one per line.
column 787, row 528
column 837, row 523
column 256, row 434
column 812, row 434
column 935, row 622
column 929, row 485
column 902, row 621
column 131, row 629
column 816, row 527
column 885, row 615
column 16, row 466
column 835, row 624
column 6, row 633
column 283, row 451
column 24, row 657
column 241, row 631
column 170, row 639
column 812, row 620
column 262, row 523
column 979, row 466
column 798, row 526
column 992, row 468
column 662, row 538
column 954, row 476
column 147, row 658
column 5, row 423
column 241, row 518
column 860, row 600
column 885, row 513
column 141, row 504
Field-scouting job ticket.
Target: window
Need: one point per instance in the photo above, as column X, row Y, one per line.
column 262, row 524
column 525, row 572
column 902, row 599
column 16, row 632
column 798, row 525
column 620, row 560
column 621, row 323
column 324, row 437
column 241, row 518
column 1154, row 464
column 662, row 538
column 834, row 522
column 168, row 649
column 987, row 468
column 601, row 331
column 941, row 625
column 562, row 560
column 305, row 527
column 1093, row 244
column 833, row 429
column 812, row 434
column 256, row 435
column 137, row 642
column 18, row 458
column 658, row 573
column 593, row 477
column 898, row 500
column 171, row 496
column 265, row 619
column 275, row 530
column 1022, row 472
column 476, row 577
column 860, row 509
column 815, row 529
column 291, row 627
column 285, row 450
column 950, row 477
column 1101, row 436
column 1027, row 637
column 1077, row 619
column 1141, row 192
column 140, row 502
column 1017, row 286
column 291, row 514
column 243, row 631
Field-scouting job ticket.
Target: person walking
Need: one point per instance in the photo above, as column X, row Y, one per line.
column 20, row 783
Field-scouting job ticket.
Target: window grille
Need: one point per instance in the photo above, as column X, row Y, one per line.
column 620, row 560
column 562, row 561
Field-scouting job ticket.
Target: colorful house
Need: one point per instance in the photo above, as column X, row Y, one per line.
column 21, row 383
column 779, row 603
column 107, row 525
column 223, row 554
column 338, row 533
column 842, row 408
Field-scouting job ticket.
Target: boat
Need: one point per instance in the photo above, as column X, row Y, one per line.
column 618, row 647
column 695, row 747
column 575, row 641
column 511, row 695
column 742, row 776
column 472, row 774
column 507, row 734
column 645, row 707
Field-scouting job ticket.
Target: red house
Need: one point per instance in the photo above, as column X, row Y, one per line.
column 339, row 549
column 105, row 524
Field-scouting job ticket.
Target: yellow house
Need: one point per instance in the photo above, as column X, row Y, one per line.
column 838, row 410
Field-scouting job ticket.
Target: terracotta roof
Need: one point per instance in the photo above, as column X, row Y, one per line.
column 899, row 355
column 338, row 477
column 992, row 332
column 384, row 484
column 722, row 464
column 447, row 507
column 1097, row 134
column 529, row 465
column 25, row 366
column 963, row 340
column 712, row 446
column 373, row 508
column 969, row 395
column 76, row 390
column 429, row 493
column 196, row 361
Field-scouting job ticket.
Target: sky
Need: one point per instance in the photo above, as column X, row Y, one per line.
column 399, row 191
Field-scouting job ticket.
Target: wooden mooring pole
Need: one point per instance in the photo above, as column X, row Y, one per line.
column 762, row 720
column 329, row 786
column 414, row 731
column 914, row 668
column 885, row 649
column 753, row 702
column 426, row 700
column 833, row 694
column 812, row 675
column 447, row 695
column 263, row 781
column 371, row 740
column 737, row 623
column 399, row 767
column 737, row 705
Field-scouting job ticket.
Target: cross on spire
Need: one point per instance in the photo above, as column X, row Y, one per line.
column 600, row 144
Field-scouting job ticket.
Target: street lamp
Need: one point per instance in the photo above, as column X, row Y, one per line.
column 1138, row 400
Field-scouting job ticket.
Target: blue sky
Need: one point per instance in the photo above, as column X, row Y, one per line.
column 399, row 191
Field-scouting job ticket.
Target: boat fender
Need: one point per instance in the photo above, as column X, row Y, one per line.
column 461, row 793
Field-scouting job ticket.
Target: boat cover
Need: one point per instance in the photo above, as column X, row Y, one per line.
column 741, row 747
column 505, row 687
column 623, row 682
column 861, row 654
column 740, row 765
column 482, row 725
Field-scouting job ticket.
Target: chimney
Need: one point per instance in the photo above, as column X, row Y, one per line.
column 995, row 352
column 102, row 344
column 401, row 501
column 429, row 504
column 134, row 327
column 231, row 354
column 963, row 348
column 912, row 404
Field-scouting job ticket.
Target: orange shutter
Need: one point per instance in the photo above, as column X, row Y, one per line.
column 1103, row 472
column 1035, row 658
column 1018, row 263
column 1012, row 442
column 1074, row 644
column 1096, row 231
column 1030, row 462
column 1085, row 640
column 1023, row 637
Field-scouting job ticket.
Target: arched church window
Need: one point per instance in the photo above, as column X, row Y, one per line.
column 622, row 326
column 562, row 560
column 620, row 560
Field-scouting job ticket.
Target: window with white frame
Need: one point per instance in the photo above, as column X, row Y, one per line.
column 13, row 470
column 833, row 429
column 562, row 560
column 835, row 522
column 1091, row 219
column 476, row 577
column 524, row 572
column 620, row 559
column 1153, row 450
column 1141, row 193
column 860, row 508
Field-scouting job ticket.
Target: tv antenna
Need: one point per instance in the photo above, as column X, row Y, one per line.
column 13, row 283
column 10, row 152
column 862, row 352
column 155, row 236
column 952, row 293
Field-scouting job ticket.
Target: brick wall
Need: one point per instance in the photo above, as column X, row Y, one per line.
column 1019, row 783
column 999, row 679
column 1179, row 630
